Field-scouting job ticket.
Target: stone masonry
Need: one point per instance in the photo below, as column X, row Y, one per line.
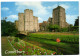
column 27, row 22
column 59, row 17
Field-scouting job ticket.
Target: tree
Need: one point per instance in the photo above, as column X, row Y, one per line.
column 8, row 28
column 76, row 22
column 70, row 28
column 76, row 25
column 64, row 29
column 54, row 27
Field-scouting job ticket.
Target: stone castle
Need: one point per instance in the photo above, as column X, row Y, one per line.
column 27, row 22
column 58, row 18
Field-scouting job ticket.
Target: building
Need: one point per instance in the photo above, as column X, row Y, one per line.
column 16, row 24
column 27, row 22
column 59, row 17
column 50, row 20
column 43, row 26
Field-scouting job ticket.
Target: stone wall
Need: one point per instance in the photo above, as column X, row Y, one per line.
column 31, row 21
column 36, row 25
column 21, row 22
column 49, row 20
column 59, row 17
column 16, row 24
column 27, row 22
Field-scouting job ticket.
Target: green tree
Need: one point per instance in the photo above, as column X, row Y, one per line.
column 77, row 22
column 70, row 28
column 76, row 25
column 8, row 28
column 64, row 29
column 53, row 27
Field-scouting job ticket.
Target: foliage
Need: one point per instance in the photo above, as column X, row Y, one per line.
column 70, row 42
column 8, row 28
column 16, row 39
column 64, row 30
column 30, row 49
column 73, row 28
column 77, row 22
column 63, row 38
column 53, row 27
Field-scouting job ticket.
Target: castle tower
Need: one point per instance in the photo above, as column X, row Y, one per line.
column 31, row 20
column 16, row 24
column 49, row 20
column 26, row 20
column 21, row 22
column 36, row 25
column 59, row 17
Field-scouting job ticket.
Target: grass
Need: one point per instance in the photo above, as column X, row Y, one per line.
column 69, row 43
column 63, row 38
column 67, row 47
column 5, row 45
column 30, row 49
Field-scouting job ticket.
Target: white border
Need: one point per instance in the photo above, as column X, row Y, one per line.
column 35, row 1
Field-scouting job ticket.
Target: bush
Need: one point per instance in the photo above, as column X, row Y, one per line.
column 16, row 39
column 52, row 27
column 8, row 28
column 64, row 30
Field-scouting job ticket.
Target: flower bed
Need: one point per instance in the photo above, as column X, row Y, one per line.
column 29, row 48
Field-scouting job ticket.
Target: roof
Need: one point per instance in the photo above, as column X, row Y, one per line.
column 44, row 21
column 40, row 24
column 58, row 7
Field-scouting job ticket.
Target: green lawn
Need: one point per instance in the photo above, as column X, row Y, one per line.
column 69, row 43
column 5, row 45
column 63, row 38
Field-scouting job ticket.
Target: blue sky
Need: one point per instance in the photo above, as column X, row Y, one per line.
column 43, row 10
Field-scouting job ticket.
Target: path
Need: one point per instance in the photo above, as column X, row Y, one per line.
column 5, row 45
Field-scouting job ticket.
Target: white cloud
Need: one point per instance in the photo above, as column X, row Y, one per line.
column 71, row 18
column 64, row 6
column 55, row 5
column 40, row 19
column 52, row 7
column 5, row 8
column 35, row 6
column 12, row 18
column 38, row 9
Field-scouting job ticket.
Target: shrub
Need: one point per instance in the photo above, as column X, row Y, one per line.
column 64, row 29
column 16, row 39
column 8, row 28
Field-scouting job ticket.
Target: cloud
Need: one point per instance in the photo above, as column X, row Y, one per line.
column 41, row 11
column 5, row 9
column 12, row 18
column 71, row 18
column 52, row 7
column 40, row 19
column 64, row 6
column 55, row 5
column 37, row 7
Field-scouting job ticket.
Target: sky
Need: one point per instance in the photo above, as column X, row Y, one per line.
column 41, row 9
